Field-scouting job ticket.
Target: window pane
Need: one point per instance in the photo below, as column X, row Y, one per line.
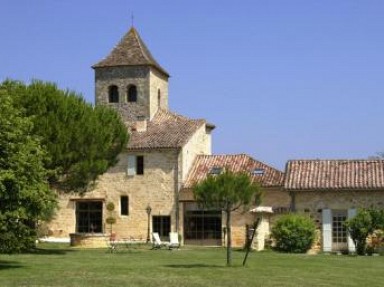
column 161, row 225
column 140, row 165
column 113, row 93
column 89, row 216
column 124, row 203
column 339, row 231
column 132, row 93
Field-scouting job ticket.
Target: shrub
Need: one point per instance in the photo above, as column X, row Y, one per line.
column 362, row 225
column 294, row 233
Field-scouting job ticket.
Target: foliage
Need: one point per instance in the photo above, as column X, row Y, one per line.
column 111, row 219
column 81, row 141
column 364, row 224
column 294, row 233
column 110, row 206
column 227, row 192
column 24, row 193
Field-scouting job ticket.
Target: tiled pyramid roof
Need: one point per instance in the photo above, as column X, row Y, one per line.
column 166, row 130
column 130, row 51
column 334, row 174
column 267, row 176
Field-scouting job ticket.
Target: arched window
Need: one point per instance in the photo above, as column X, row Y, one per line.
column 113, row 93
column 158, row 97
column 132, row 93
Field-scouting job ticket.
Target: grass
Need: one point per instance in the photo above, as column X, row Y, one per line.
column 55, row 265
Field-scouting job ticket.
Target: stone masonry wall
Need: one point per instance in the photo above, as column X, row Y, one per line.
column 313, row 202
column 122, row 77
column 199, row 144
column 158, row 82
column 274, row 197
column 156, row 187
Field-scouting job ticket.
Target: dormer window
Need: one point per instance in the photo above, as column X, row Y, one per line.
column 132, row 94
column 215, row 170
column 113, row 94
column 258, row 171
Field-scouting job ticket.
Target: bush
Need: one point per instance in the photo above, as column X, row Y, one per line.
column 294, row 233
column 364, row 224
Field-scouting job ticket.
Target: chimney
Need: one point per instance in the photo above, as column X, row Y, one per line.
column 141, row 124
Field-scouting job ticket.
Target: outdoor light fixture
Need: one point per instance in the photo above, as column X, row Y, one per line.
column 149, row 210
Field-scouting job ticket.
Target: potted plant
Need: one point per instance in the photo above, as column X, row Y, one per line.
column 110, row 219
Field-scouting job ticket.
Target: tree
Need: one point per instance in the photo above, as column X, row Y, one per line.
column 81, row 141
column 227, row 192
column 364, row 224
column 24, row 193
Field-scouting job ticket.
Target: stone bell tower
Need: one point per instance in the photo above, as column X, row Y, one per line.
column 130, row 80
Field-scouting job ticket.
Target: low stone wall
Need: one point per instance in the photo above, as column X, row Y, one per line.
column 88, row 240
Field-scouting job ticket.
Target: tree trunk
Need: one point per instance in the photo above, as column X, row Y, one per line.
column 229, row 238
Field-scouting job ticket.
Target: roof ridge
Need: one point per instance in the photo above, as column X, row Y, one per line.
column 249, row 157
column 335, row 160
column 174, row 114
column 234, row 154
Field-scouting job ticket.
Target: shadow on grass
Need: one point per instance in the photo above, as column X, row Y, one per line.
column 49, row 251
column 9, row 265
column 187, row 266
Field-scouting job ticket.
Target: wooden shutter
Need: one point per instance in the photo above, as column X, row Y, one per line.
column 351, row 246
column 327, row 230
column 131, row 170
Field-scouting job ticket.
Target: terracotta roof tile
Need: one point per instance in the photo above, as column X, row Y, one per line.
column 130, row 51
column 334, row 174
column 203, row 164
column 165, row 130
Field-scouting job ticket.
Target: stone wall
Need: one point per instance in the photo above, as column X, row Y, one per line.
column 147, row 81
column 198, row 144
column 157, row 82
column 156, row 187
column 240, row 219
column 313, row 202
column 273, row 197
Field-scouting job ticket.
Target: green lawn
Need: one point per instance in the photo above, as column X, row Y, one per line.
column 58, row 266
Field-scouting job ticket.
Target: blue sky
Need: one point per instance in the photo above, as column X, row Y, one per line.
column 281, row 79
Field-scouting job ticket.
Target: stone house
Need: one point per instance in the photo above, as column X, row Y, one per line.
column 150, row 186
column 145, row 183
column 331, row 191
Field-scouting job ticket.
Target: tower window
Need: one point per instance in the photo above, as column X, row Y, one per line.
column 158, row 97
column 132, row 94
column 113, row 93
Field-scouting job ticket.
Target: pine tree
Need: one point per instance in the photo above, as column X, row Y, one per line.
column 227, row 192
column 81, row 141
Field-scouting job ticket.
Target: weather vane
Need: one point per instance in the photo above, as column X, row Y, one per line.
column 132, row 18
